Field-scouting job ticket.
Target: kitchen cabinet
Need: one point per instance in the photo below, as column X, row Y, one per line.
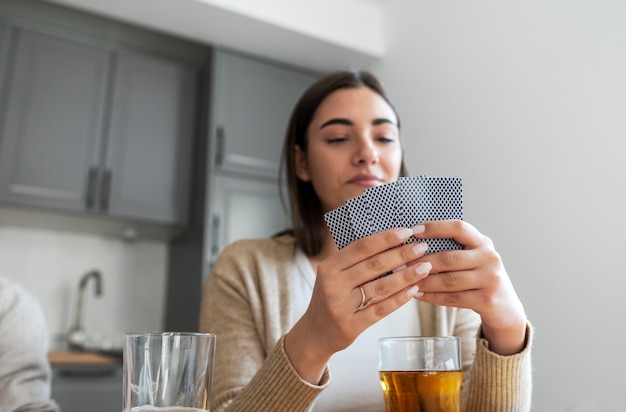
column 95, row 130
column 52, row 120
column 146, row 168
column 95, row 388
column 252, row 102
column 244, row 209
column 236, row 190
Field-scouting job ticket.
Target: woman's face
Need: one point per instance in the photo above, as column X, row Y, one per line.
column 353, row 144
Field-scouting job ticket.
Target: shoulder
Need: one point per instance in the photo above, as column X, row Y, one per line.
column 21, row 311
column 15, row 298
column 255, row 258
column 274, row 249
column 250, row 268
column 24, row 367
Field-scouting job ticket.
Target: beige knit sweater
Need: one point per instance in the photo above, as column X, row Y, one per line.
column 247, row 303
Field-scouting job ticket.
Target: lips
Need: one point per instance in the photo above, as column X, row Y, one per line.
column 366, row 180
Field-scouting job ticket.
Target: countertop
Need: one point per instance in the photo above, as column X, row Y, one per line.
column 83, row 358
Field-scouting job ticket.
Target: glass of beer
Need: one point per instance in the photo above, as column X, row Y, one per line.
column 421, row 374
column 167, row 371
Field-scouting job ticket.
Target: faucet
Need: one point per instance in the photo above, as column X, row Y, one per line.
column 77, row 337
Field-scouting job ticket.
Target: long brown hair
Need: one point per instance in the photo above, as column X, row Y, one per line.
column 308, row 226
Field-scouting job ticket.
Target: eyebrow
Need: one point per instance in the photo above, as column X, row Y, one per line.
column 348, row 122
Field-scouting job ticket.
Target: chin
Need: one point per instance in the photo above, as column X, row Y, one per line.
column 353, row 193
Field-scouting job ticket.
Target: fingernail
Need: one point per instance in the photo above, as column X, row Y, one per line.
column 420, row 248
column 418, row 295
column 423, row 268
column 404, row 233
column 398, row 268
column 419, row 229
column 410, row 292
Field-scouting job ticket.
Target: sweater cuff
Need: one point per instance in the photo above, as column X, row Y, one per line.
column 483, row 344
column 507, row 379
column 283, row 388
column 324, row 381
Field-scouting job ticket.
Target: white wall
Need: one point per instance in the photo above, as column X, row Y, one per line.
column 50, row 264
column 526, row 101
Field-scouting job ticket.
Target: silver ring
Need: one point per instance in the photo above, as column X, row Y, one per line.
column 364, row 303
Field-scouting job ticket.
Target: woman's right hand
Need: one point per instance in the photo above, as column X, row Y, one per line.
column 332, row 320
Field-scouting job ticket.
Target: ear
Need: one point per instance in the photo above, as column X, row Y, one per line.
column 302, row 166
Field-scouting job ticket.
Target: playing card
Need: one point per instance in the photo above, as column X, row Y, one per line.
column 405, row 203
column 338, row 222
column 426, row 198
column 381, row 204
column 358, row 217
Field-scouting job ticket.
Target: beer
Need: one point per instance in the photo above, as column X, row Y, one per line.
column 422, row 391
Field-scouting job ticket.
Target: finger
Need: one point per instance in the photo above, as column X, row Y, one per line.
column 469, row 299
column 461, row 231
column 453, row 260
column 371, row 245
column 384, row 287
column 381, row 308
column 382, row 264
column 452, row 282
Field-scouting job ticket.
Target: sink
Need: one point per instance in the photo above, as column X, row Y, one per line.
column 76, row 338
column 110, row 346
column 104, row 345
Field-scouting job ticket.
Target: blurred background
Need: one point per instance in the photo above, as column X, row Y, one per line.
column 525, row 101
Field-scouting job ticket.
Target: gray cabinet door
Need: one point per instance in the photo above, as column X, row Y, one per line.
column 252, row 103
column 149, row 140
column 51, row 117
column 94, row 388
column 243, row 209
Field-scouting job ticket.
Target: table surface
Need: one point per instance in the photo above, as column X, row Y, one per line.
column 82, row 358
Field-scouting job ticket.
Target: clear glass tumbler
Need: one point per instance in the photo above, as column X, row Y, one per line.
column 168, row 371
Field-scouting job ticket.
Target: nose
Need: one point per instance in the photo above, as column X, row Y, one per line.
column 365, row 152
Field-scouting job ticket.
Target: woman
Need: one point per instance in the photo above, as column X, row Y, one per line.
column 290, row 309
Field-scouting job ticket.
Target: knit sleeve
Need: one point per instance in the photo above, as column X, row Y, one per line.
column 500, row 383
column 276, row 387
column 251, row 372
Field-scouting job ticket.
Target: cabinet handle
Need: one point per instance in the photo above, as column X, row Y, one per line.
column 215, row 238
column 219, row 146
column 92, row 176
column 106, row 190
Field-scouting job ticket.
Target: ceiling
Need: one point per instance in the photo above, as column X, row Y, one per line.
column 296, row 32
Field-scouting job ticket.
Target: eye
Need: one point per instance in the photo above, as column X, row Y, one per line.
column 385, row 139
column 338, row 139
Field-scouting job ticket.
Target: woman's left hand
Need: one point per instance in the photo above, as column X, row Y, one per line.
column 475, row 278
